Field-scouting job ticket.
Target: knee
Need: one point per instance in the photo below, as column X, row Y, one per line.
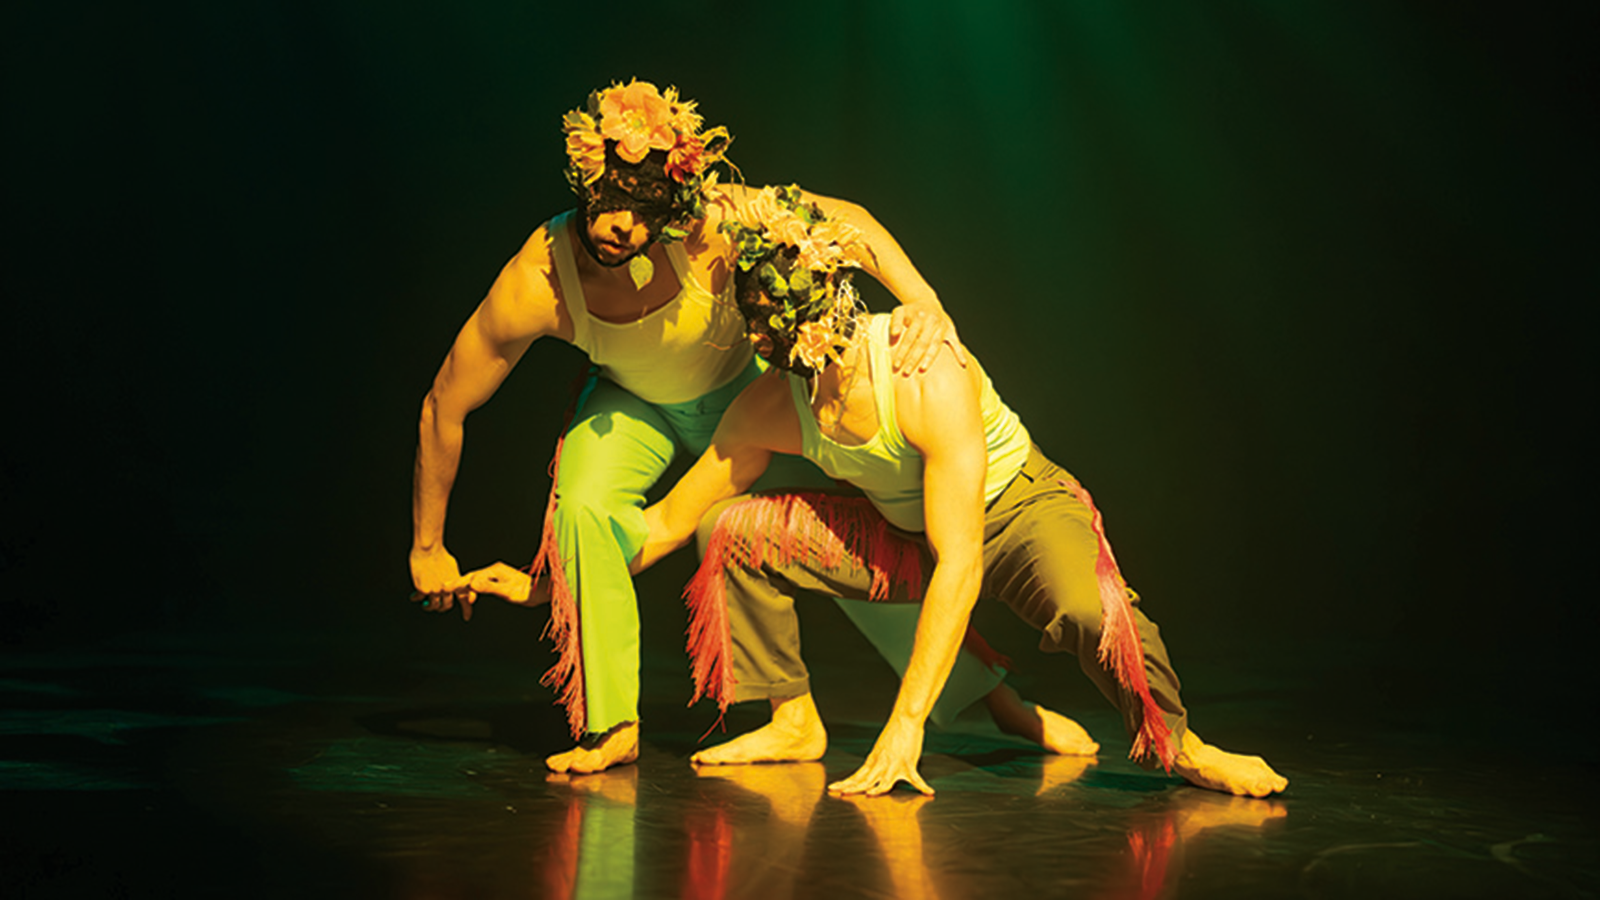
column 578, row 508
column 1069, row 614
column 709, row 522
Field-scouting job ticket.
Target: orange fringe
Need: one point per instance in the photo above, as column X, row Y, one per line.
column 566, row 676
column 812, row 528
column 1119, row 642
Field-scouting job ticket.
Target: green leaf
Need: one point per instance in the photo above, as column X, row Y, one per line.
column 800, row 282
column 772, row 281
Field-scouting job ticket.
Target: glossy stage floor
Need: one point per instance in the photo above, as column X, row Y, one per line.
column 410, row 766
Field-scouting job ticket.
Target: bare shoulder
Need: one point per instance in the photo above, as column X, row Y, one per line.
column 723, row 195
column 946, row 396
column 722, row 201
column 525, row 300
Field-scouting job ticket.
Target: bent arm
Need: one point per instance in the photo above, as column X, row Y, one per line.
column 520, row 308
column 739, row 453
column 888, row 263
column 919, row 326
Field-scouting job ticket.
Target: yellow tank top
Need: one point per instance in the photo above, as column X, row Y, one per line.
column 888, row 469
column 681, row 351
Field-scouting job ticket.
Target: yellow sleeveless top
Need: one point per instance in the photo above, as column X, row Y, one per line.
column 684, row 350
column 888, row 469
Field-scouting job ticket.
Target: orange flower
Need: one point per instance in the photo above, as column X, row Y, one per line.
column 637, row 117
column 686, row 158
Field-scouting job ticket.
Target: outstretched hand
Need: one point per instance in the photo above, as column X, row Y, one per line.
column 917, row 332
column 507, row 583
column 893, row 759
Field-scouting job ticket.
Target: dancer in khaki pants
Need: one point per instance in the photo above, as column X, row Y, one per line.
column 953, row 486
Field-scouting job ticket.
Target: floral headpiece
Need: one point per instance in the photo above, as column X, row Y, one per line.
column 796, row 254
column 637, row 119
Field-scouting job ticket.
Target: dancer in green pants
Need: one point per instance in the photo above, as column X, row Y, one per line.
column 639, row 279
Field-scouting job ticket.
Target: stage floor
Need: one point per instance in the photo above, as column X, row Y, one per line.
column 171, row 765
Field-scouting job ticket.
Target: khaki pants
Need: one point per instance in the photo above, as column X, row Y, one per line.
column 1039, row 557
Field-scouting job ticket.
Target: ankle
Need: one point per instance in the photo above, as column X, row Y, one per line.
column 796, row 714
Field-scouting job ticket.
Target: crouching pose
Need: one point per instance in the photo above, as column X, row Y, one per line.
column 953, row 487
column 637, row 277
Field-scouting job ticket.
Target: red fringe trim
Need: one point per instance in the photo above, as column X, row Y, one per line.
column 788, row 528
column 805, row 527
column 1119, row 642
column 566, row 676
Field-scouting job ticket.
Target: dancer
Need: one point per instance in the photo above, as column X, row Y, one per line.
column 638, row 278
column 954, row 487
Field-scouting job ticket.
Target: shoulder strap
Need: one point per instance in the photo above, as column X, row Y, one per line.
column 567, row 272
column 883, row 382
column 679, row 258
column 802, row 409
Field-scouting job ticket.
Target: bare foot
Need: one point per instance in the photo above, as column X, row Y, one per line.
column 616, row 747
column 1203, row 765
column 795, row 734
column 1048, row 729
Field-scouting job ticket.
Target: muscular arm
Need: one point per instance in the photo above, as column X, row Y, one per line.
column 919, row 327
column 759, row 422
column 520, row 308
column 940, row 416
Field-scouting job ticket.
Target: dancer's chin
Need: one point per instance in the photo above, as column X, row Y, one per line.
column 609, row 255
column 616, row 259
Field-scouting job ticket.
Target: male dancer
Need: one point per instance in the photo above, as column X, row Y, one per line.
column 944, row 462
column 639, row 280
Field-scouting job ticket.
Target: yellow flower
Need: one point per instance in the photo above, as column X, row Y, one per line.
column 846, row 238
column 788, row 229
column 684, row 118
column 813, row 342
column 586, row 148
column 758, row 210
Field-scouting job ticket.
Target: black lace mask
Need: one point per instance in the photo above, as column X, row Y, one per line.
column 643, row 188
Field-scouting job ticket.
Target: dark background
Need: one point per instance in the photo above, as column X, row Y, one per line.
column 1301, row 291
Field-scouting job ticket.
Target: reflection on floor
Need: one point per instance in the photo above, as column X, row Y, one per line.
column 181, row 769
